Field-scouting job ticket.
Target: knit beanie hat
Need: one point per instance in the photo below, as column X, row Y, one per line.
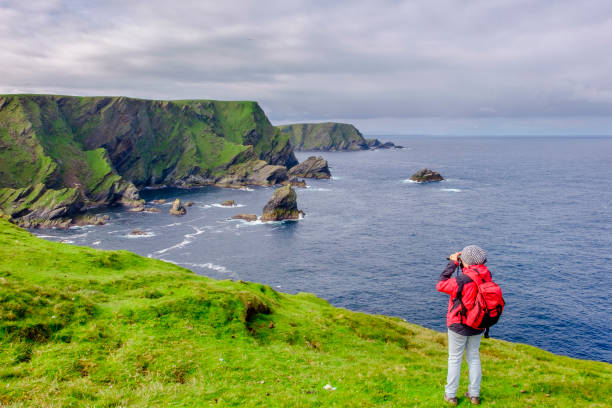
column 473, row 255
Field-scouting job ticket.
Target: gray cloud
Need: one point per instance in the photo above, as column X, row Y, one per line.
column 361, row 60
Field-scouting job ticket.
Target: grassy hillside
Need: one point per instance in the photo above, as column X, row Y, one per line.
column 83, row 327
column 100, row 148
column 327, row 136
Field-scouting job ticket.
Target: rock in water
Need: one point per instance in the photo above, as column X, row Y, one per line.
column 177, row 208
column 246, row 217
column 229, row 203
column 313, row 167
column 425, row 176
column 282, row 206
column 295, row 182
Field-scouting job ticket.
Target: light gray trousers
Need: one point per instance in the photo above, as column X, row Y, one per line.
column 457, row 344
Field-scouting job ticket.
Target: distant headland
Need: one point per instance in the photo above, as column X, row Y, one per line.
column 330, row 136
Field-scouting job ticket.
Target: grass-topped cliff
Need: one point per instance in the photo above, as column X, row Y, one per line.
column 83, row 327
column 329, row 136
column 64, row 154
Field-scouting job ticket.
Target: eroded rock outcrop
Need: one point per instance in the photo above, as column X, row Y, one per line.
column 295, row 182
column 313, row 167
column 426, row 176
column 245, row 217
column 177, row 208
column 282, row 206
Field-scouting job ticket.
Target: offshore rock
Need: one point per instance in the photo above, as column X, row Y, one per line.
column 246, row 217
column 295, row 182
column 282, row 206
column 229, row 203
column 426, row 176
column 177, row 208
column 313, row 167
column 151, row 210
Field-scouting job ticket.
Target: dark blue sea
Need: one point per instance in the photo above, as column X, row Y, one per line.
column 372, row 241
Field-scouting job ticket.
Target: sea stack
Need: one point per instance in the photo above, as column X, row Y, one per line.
column 177, row 208
column 426, row 176
column 313, row 167
column 282, row 206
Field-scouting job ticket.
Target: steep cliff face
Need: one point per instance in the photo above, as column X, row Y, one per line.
column 328, row 136
column 63, row 154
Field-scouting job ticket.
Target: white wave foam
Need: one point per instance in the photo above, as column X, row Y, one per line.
column 245, row 223
column 454, row 190
column 246, row 189
column 407, row 181
column 67, row 241
column 145, row 234
column 218, row 205
column 96, row 243
column 208, row 265
column 174, row 224
column 45, row 236
column 188, row 240
column 309, row 188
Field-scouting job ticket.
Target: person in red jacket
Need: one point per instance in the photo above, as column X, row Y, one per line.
column 462, row 338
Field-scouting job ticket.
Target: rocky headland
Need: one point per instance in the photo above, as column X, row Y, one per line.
column 63, row 155
column 330, row 136
column 426, row 176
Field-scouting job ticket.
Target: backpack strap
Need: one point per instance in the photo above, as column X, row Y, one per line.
column 461, row 281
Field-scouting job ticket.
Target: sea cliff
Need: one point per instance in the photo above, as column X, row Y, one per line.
column 61, row 155
column 330, row 136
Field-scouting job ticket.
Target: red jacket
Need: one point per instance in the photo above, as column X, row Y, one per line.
column 450, row 285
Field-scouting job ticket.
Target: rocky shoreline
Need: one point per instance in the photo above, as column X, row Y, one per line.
column 113, row 147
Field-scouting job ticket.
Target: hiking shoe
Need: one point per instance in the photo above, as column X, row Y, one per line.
column 473, row 400
column 451, row 400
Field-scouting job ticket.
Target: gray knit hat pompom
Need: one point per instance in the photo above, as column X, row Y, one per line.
column 473, row 255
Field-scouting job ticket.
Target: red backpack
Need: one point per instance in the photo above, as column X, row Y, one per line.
column 488, row 305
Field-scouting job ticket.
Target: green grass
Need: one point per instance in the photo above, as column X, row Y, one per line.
column 22, row 158
column 83, row 327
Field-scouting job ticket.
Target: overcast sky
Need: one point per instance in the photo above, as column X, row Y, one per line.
column 417, row 67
